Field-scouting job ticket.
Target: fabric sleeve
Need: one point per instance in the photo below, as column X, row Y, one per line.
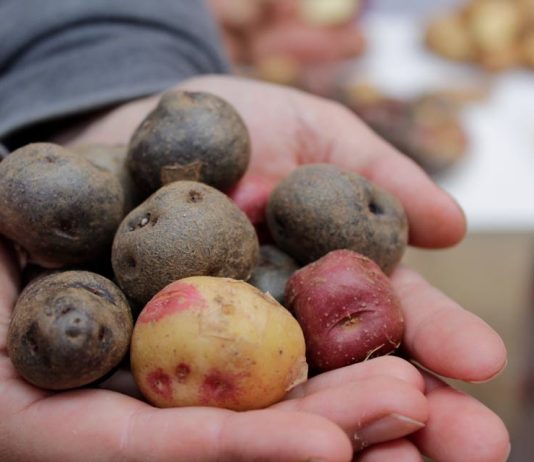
column 63, row 58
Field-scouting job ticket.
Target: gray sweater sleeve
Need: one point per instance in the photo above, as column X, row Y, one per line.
column 61, row 58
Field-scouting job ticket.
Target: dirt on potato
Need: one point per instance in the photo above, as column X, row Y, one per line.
column 189, row 136
column 58, row 207
column 68, row 330
column 184, row 229
column 320, row 208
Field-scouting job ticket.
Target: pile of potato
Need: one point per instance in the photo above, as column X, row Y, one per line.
column 174, row 251
column 427, row 128
column 496, row 34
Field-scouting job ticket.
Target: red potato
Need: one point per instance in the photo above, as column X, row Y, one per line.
column 207, row 341
column 347, row 310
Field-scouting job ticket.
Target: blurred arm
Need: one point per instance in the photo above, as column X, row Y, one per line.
column 70, row 57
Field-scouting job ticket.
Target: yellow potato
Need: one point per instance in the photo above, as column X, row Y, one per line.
column 501, row 60
column 279, row 69
column 526, row 8
column 495, row 25
column 206, row 341
column 449, row 37
column 328, row 12
column 527, row 49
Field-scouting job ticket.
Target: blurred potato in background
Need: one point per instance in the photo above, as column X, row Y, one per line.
column 282, row 38
column 496, row 34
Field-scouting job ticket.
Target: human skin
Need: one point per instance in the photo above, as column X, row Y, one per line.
column 255, row 30
column 329, row 417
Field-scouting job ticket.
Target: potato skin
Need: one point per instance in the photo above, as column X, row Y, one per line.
column 320, row 208
column 189, row 136
column 112, row 158
column 184, row 229
column 273, row 270
column 206, row 341
column 346, row 308
column 68, row 330
column 57, row 206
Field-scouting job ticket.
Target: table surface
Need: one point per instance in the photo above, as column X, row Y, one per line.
column 495, row 182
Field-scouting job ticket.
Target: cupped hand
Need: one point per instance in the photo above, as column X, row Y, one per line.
column 326, row 419
column 289, row 128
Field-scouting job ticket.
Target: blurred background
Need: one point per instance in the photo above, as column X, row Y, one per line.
column 451, row 84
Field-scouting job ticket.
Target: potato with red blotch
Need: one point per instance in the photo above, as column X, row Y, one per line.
column 347, row 310
column 207, row 341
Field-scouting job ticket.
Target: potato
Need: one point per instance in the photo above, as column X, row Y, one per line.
column 426, row 129
column 184, row 229
column 527, row 49
column 206, row 341
column 501, row 60
column 449, row 36
column 113, row 160
column 3, row 152
column 189, row 136
column 279, row 69
column 57, row 206
column 320, row 208
column 347, row 310
column 495, row 25
column 69, row 329
column 272, row 272
column 328, row 12
column 526, row 10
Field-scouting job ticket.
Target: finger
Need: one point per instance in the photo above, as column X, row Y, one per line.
column 306, row 44
column 236, row 14
column 400, row 450
column 387, row 366
column 370, row 411
column 103, row 425
column 435, row 218
column 442, row 336
column 461, row 428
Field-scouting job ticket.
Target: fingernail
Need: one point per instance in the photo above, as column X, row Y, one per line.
column 387, row 428
column 494, row 376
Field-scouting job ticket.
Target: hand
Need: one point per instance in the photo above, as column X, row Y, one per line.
column 325, row 419
column 289, row 128
column 256, row 30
